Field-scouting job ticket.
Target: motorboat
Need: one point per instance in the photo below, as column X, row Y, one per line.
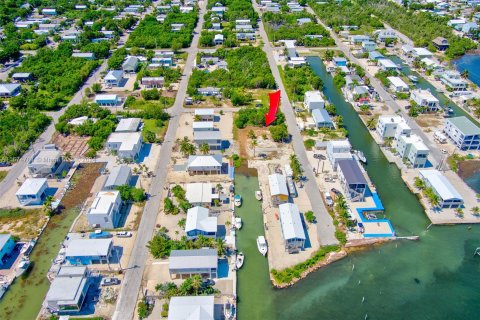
column 4, row 284
column 22, row 266
column 28, row 247
column 262, row 245
column 358, row 155
column 238, row 223
column 237, row 200
column 258, row 195
column 229, row 310
column 240, row 260
column 414, row 79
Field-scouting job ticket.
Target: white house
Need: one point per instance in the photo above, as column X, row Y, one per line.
column 118, row 176
column 9, row 89
column 313, row 100
column 32, row 191
column 200, row 194
column 130, row 64
column 199, row 222
column 449, row 196
column 392, row 126
column 398, row 85
column 212, row 138
column 413, row 149
column 205, row 114
column 127, row 145
column 191, row 307
column 385, row 34
column 185, row 263
column 203, row 126
column 105, row 210
column 425, row 99
column 218, row 39
column 292, row 227
column 128, row 125
column 210, row 164
column 113, row 78
column 45, row 162
column 368, row 46
column 453, row 80
column 421, row 53
column 278, row 189
column 387, row 65
column 338, row 150
column 463, row 132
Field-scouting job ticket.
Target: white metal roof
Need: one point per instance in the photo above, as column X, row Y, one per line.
column 118, row 176
column 100, row 97
column 202, row 125
column 198, row 219
column 46, row 157
column 191, row 308
column 440, row 184
column 206, row 135
column 8, row 88
column 387, row 63
column 104, row 202
column 128, row 125
column 422, row 52
column 127, row 140
column 31, row 186
column 204, row 112
column 397, row 82
column 199, row 192
column 205, row 161
column 66, row 290
column 424, row 95
column 313, row 96
column 193, row 259
column 291, row 222
column 278, row 184
column 88, row 247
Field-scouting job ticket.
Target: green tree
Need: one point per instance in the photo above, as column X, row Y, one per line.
column 96, row 87
column 279, row 132
column 182, row 222
column 204, row 148
column 187, row 148
column 310, row 216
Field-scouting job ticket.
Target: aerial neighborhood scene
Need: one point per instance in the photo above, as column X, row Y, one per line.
column 224, row 159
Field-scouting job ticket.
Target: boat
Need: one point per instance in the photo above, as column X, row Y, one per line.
column 240, row 260
column 4, row 287
column 229, row 310
column 28, row 247
column 237, row 200
column 258, row 195
column 358, row 155
column 22, row 266
column 413, row 78
column 238, row 223
column 262, row 245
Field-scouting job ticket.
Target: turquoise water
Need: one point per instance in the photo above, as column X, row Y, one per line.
column 436, row 277
column 470, row 62
column 474, row 182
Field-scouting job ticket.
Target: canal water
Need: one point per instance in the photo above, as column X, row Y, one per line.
column 436, row 277
column 470, row 62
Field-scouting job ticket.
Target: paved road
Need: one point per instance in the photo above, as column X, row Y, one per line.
column 133, row 276
column 325, row 227
column 436, row 155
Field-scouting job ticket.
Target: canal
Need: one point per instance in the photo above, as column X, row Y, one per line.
column 433, row 278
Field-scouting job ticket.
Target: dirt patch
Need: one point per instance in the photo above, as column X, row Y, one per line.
column 25, row 224
column 75, row 145
column 243, row 140
column 428, row 120
column 468, row 168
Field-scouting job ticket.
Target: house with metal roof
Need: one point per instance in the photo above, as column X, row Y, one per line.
column 44, row 163
column 128, row 125
column 449, row 196
column 463, row 132
column 199, row 222
column 84, row 55
column 322, row 119
column 22, row 76
column 130, row 64
column 113, row 78
column 68, row 290
column 278, row 189
column 199, row 193
column 7, row 244
column 9, row 89
column 127, row 145
column 209, row 91
column 338, row 150
column 387, row 65
column 313, row 100
column 412, row 148
column 453, row 80
column 32, row 191
column 212, row 138
column 375, row 55
column 107, row 100
column 203, row 126
column 186, row 263
column 425, row 99
column 88, row 251
column 153, row 82
column 352, row 179
column 192, row 308
column 205, row 114
column 210, row 164
column 440, row 43
column 118, row 176
column 105, row 210
column 397, row 84
column 392, row 126
column 292, row 227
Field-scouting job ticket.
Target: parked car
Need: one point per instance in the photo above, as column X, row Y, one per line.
column 109, row 282
column 328, row 199
column 124, row 234
column 5, row 164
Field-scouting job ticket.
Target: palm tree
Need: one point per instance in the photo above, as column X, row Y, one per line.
column 204, row 148
column 196, row 283
column 186, row 148
column 459, row 212
column 219, row 188
column 220, row 246
column 475, row 211
column 371, row 123
column 465, row 74
column 67, row 156
column 251, row 134
column 419, row 183
column 181, row 223
column 253, row 144
column 434, row 200
column 47, row 206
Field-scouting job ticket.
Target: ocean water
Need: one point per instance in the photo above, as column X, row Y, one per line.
column 470, row 62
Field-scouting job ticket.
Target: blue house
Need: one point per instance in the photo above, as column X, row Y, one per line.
column 322, row 119
column 200, row 223
column 7, row 244
column 88, row 251
column 339, row 62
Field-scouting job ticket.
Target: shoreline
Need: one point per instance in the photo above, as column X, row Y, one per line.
column 468, row 168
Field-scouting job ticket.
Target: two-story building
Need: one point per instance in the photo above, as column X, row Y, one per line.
column 412, row 148
column 392, row 126
column 199, row 222
column 463, row 133
column 105, row 210
column 449, row 196
column 425, row 100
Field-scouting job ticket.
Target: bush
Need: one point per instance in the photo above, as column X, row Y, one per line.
column 309, row 144
column 310, row 216
column 279, row 132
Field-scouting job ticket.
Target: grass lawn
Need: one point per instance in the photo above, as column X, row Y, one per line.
column 3, row 174
column 151, row 125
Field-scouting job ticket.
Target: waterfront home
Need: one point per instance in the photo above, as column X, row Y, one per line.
column 387, row 65
column 339, row 62
column 110, row 100
column 200, row 194
column 88, row 251
column 425, row 100
column 375, row 56
column 199, row 222
column 212, row 138
column 68, row 290
column 105, row 210
column 407, row 49
column 130, row 64
column 84, row 55
column 453, row 80
column 397, row 84
column 203, row 126
column 118, row 176
column 322, row 119
column 420, row 53
column 128, row 125
column 351, row 81
column 113, row 78
column 278, row 189
column 313, row 100
column 449, row 196
column 32, row 191
column 186, row 263
column 432, row 65
column 9, row 89
column 385, row 34
column 192, row 307
column 392, row 126
column 352, row 179
column 412, row 148
column 22, row 76
column 368, row 46
column 297, row 62
column 211, row 164
column 127, row 145
column 338, row 150
column 463, row 132
column 440, row 43
column 292, row 227
column 152, row 82
column 44, row 163
column 7, row 245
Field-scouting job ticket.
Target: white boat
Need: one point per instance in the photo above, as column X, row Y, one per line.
column 258, row 195
column 28, row 247
column 413, row 78
column 22, row 266
column 357, row 154
column 239, row 260
column 229, row 310
column 3, row 288
column 262, row 245
column 238, row 223
column 237, row 200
